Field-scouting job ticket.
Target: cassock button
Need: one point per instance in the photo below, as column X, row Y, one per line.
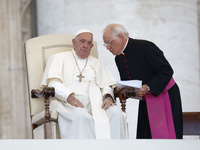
column 124, row 54
column 125, row 60
column 126, row 66
column 129, row 77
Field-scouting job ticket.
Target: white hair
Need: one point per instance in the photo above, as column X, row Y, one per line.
column 116, row 29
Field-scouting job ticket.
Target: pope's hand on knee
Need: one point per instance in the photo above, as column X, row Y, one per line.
column 74, row 102
column 107, row 103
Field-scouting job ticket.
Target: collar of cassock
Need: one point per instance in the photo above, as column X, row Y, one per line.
column 125, row 47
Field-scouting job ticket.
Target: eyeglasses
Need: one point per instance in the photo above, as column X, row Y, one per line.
column 109, row 42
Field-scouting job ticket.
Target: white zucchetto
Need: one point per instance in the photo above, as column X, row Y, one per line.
column 82, row 31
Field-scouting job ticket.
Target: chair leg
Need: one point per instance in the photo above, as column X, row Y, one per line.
column 123, row 104
column 47, row 129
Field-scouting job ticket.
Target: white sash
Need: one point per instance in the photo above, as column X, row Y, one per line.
column 102, row 127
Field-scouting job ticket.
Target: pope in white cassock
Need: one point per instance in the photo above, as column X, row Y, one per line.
column 84, row 93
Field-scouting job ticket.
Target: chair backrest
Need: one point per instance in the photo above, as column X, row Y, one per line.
column 37, row 52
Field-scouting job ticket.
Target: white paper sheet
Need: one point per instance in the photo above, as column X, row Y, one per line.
column 137, row 84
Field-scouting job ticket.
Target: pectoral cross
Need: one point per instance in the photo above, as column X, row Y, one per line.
column 80, row 77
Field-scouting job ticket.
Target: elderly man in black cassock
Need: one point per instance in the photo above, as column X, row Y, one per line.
column 160, row 111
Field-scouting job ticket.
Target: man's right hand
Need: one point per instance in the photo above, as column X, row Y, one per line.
column 74, row 102
column 143, row 91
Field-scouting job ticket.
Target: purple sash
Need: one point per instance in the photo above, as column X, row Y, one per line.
column 160, row 114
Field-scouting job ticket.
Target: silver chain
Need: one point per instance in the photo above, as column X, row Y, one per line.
column 80, row 76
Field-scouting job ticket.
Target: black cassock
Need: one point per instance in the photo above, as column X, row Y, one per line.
column 143, row 60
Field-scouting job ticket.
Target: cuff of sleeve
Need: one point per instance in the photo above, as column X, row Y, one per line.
column 149, row 90
column 108, row 96
column 107, row 90
column 61, row 91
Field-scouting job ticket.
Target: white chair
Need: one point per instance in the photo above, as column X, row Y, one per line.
column 37, row 52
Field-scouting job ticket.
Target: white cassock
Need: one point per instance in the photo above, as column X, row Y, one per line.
column 91, row 121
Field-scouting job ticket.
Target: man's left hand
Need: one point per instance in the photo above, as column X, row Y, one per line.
column 107, row 103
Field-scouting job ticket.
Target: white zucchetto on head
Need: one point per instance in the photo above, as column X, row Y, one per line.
column 82, row 31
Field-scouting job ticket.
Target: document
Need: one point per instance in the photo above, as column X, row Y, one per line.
column 137, row 84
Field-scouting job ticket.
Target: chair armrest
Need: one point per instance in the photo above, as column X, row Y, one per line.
column 123, row 94
column 47, row 92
